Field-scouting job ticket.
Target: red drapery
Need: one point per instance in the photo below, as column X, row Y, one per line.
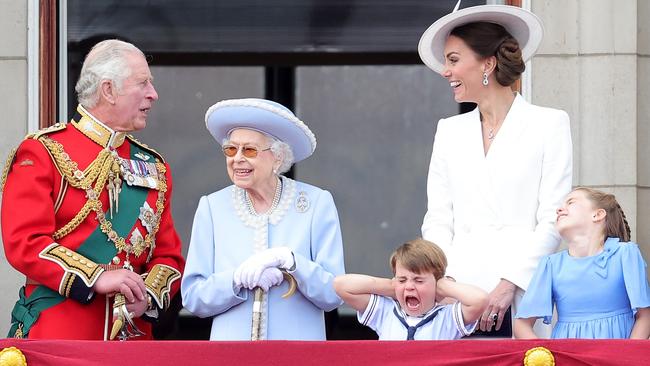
column 286, row 353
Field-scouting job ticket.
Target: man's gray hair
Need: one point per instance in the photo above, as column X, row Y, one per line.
column 107, row 60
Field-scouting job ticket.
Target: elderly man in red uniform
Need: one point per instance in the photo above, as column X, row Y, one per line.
column 86, row 212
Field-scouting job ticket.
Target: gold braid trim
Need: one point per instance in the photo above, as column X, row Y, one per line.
column 70, row 169
column 74, row 264
column 148, row 242
column 98, row 171
column 56, row 127
column 5, row 171
column 159, row 281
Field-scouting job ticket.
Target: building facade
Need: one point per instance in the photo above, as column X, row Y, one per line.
column 594, row 63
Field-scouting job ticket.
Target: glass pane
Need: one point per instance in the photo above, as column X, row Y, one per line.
column 176, row 129
column 374, row 126
column 294, row 26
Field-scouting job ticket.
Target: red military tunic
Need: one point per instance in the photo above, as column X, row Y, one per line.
column 43, row 230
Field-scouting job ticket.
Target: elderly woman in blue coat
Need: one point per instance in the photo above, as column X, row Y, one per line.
column 249, row 239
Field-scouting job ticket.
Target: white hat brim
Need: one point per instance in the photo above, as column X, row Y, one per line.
column 523, row 25
column 264, row 116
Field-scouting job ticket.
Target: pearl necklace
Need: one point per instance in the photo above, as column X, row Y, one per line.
column 274, row 203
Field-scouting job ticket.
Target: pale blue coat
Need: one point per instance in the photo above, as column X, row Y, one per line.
column 225, row 233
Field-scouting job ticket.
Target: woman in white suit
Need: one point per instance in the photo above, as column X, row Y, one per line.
column 499, row 172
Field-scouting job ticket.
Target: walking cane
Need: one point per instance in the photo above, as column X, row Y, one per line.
column 256, row 328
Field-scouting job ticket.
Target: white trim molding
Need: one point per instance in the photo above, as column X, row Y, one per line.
column 527, row 76
column 62, row 48
column 33, row 71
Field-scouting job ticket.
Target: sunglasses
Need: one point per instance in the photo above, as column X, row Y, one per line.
column 248, row 151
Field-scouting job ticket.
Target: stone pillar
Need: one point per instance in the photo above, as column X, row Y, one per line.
column 595, row 64
column 643, row 126
column 587, row 65
column 13, row 104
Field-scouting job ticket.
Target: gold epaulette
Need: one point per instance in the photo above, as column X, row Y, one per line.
column 44, row 131
column 5, row 171
column 36, row 135
column 146, row 147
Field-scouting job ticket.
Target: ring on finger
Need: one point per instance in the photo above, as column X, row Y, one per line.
column 494, row 317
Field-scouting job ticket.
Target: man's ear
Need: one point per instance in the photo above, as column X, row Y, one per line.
column 107, row 91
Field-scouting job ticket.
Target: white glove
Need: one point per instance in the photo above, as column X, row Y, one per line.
column 249, row 272
column 270, row 277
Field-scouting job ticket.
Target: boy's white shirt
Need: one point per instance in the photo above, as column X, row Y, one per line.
column 448, row 323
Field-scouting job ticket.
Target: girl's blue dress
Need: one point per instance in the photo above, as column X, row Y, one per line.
column 596, row 297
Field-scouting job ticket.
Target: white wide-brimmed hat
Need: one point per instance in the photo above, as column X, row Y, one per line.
column 523, row 25
column 261, row 115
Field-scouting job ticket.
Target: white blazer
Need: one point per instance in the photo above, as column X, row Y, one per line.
column 494, row 215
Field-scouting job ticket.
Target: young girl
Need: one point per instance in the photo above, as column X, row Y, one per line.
column 598, row 284
column 419, row 267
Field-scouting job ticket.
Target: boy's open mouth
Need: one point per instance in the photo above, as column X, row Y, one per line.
column 412, row 302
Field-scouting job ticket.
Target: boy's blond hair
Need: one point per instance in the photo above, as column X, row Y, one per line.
column 420, row 256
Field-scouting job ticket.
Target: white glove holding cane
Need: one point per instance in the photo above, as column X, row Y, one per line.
column 249, row 273
column 270, row 277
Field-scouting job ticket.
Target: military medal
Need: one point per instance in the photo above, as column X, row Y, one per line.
column 148, row 219
column 139, row 173
column 136, row 238
column 147, row 216
column 142, row 156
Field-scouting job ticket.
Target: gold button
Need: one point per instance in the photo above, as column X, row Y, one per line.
column 83, row 261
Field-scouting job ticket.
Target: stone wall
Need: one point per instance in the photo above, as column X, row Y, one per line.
column 592, row 65
column 13, row 123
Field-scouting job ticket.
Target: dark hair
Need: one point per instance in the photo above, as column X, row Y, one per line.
column 420, row 256
column 490, row 39
column 615, row 221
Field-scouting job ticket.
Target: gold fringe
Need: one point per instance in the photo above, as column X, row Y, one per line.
column 98, row 172
column 5, row 171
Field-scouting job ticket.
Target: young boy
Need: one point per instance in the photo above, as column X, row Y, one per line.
column 419, row 268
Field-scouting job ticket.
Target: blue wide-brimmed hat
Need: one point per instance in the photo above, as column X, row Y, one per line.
column 261, row 115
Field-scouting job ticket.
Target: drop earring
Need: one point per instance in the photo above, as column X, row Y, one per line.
column 485, row 79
